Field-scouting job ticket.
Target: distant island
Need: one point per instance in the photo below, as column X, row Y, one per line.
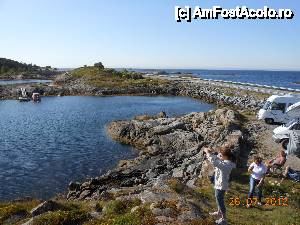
column 11, row 69
column 297, row 82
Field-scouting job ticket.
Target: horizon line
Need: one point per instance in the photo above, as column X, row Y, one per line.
column 170, row 68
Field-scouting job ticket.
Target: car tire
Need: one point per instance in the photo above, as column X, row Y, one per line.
column 285, row 143
column 269, row 121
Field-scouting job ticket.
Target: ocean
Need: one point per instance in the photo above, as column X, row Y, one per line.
column 285, row 79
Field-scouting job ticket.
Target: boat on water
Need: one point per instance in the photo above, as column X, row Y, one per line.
column 36, row 97
column 24, row 99
column 23, row 96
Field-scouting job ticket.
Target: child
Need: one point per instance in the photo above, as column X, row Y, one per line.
column 223, row 167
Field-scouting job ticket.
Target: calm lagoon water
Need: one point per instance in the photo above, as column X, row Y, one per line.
column 43, row 146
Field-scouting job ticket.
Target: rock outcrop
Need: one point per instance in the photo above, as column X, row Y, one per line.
column 169, row 148
column 65, row 85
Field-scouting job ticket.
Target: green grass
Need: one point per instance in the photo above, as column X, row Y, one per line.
column 10, row 209
column 111, row 78
column 125, row 219
column 118, row 212
column 117, row 207
column 265, row 215
column 116, row 215
column 62, row 218
column 176, row 185
column 70, row 212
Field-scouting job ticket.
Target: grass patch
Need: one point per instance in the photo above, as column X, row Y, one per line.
column 110, row 78
column 8, row 210
column 201, row 222
column 96, row 72
column 128, row 219
column 142, row 216
column 263, row 215
column 62, row 218
column 117, row 207
column 266, row 214
column 71, row 212
column 247, row 115
column 176, row 185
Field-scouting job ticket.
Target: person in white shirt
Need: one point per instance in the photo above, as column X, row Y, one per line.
column 258, row 172
column 223, row 166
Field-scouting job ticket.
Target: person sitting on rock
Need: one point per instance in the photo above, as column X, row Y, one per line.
column 223, row 165
column 277, row 162
column 258, row 172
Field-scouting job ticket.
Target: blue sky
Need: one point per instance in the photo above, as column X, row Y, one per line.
column 144, row 34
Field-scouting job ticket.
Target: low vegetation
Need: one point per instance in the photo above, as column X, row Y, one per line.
column 17, row 209
column 10, row 68
column 134, row 212
column 274, row 213
column 118, row 212
column 98, row 76
column 62, row 218
column 114, row 212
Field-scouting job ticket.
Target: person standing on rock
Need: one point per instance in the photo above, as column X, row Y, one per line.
column 223, row 165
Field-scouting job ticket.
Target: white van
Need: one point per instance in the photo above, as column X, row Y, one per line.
column 275, row 107
column 282, row 134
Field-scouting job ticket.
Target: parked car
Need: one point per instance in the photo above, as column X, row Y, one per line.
column 274, row 110
column 281, row 134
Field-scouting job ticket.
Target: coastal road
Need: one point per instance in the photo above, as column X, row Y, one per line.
column 263, row 89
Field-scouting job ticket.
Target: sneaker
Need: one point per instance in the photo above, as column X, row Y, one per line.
column 248, row 206
column 259, row 204
column 221, row 221
column 214, row 214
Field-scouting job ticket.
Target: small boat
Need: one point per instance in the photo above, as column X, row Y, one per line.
column 36, row 97
column 24, row 99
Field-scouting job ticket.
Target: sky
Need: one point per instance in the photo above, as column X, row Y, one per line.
column 144, row 34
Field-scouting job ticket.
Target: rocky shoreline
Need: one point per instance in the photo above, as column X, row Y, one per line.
column 207, row 93
column 169, row 148
column 170, row 164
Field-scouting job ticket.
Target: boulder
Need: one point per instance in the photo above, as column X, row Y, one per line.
column 161, row 115
column 169, row 148
column 74, row 186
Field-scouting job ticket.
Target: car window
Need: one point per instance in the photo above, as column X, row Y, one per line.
column 278, row 106
column 296, row 126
